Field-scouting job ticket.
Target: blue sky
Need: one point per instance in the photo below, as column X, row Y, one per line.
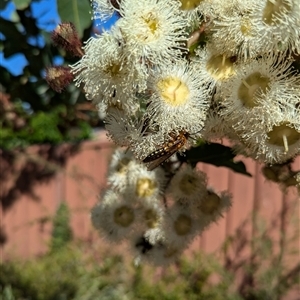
column 46, row 13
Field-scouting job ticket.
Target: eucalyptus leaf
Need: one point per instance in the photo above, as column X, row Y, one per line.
column 77, row 12
column 215, row 154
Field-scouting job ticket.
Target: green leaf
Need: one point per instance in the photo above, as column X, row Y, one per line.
column 44, row 128
column 3, row 4
column 21, row 4
column 61, row 232
column 15, row 41
column 215, row 154
column 77, row 12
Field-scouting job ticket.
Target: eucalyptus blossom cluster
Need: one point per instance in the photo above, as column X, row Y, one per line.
column 213, row 69
column 158, row 215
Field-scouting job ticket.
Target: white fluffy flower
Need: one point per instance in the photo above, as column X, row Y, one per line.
column 238, row 33
column 153, row 31
column 152, row 215
column 121, row 162
column 213, row 66
column 116, row 218
column 180, row 226
column 280, row 23
column 121, row 127
column 188, row 185
column 216, row 127
column 104, row 71
column 143, row 185
column 179, row 99
column 268, row 79
column 211, row 207
column 278, row 140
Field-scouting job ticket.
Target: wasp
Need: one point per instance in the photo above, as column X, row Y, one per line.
column 170, row 147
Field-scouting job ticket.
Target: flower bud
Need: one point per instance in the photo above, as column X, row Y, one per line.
column 58, row 77
column 65, row 36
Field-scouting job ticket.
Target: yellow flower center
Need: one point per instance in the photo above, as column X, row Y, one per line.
column 283, row 135
column 121, row 167
column 188, row 184
column 273, row 9
column 251, row 88
column 145, row 187
column 114, row 69
column 246, row 27
column 124, row 216
column 151, row 218
column 183, row 225
column 173, row 91
column 151, row 26
column 210, row 204
column 220, row 67
column 189, row 4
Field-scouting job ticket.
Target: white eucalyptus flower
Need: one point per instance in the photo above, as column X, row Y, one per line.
column 238, row 32
column 179, row 100
column 104, row 71
column 265, row 80
column 180, row 226
column 115, row 217
column 188, row 186
column 280, row 23
column 153, row 32
column 212, row 207
column 278, row 140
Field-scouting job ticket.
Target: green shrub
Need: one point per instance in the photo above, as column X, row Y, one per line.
column 62, row 232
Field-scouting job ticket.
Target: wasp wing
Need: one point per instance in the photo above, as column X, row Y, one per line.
column 151, row 165
column 154, row 159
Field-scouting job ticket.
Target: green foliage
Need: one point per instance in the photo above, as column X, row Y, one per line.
column 43, row 127
column 81, row 271
column 67, row 274
column 53, row 277
column 30, row 111
column 62, row 232
column 95, row 271
column 40, row 124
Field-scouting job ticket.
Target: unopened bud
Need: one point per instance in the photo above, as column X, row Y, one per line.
column 65, row 36
column 59, row 77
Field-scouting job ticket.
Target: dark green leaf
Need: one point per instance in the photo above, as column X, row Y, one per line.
column 215, row 154
column 3, row 4
column 77, row 12
column 15, row 41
